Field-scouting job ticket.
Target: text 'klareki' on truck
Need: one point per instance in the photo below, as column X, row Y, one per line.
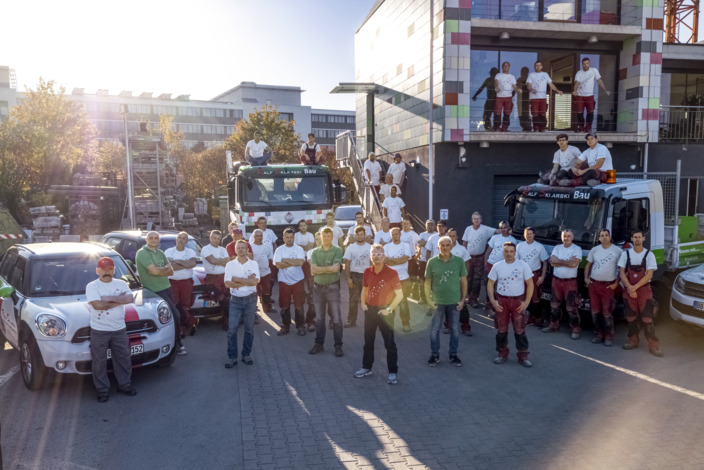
column 621, row 205
column 284, row 194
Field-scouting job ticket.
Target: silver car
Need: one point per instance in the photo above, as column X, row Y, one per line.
column 44, row 314
column 687, row 299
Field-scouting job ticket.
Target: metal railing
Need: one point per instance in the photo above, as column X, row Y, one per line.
column 348, row 157
column 681, row 124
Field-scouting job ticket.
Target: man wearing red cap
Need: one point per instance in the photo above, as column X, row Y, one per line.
column 107, row 298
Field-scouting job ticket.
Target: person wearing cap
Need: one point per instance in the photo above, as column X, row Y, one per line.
column 229, row 238
column 237, row 234
column 310, row 153
column 257, row 152
column 154, row 270
column 107, row 297
column 583, row 93
column 398, row 170
column 598, row 162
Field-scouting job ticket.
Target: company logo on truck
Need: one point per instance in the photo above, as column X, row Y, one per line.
column 567, row 194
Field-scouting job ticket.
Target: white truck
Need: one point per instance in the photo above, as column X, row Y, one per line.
column 622, row 207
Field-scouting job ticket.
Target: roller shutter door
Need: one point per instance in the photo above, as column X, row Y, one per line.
column 504, row 184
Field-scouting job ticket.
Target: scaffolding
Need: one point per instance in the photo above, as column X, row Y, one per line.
column 681, row 21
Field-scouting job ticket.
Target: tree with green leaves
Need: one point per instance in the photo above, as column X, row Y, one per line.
column 280, row 135
column 45, row 136
column 203, row 173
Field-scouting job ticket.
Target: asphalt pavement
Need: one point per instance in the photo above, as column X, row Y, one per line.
column 582, row 406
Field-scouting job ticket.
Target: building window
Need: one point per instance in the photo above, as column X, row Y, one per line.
column 580, row 11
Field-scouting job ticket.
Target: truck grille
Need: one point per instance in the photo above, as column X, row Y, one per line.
column 133, row 328
column 693, row 289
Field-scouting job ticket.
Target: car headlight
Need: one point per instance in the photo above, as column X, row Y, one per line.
column 679, row 284
column 51, row 326
column 164, row 313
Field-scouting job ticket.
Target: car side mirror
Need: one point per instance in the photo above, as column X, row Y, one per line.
column 6, row 291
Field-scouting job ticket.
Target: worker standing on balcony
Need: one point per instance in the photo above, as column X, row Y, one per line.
column 506, row 87
column 538, row 83
column 583, row 93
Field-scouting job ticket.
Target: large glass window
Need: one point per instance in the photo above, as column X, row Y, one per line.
column 580, row 11
column 285, row 191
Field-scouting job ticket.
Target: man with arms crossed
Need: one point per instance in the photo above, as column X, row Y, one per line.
column 397, row 255
column 510, row 289
column 475, row 239
column 381, row 293
column 289, row 259
column 601, row 278
column 106, row 299
column 535, row 256
column 565, row 260
column 183, row 260
column 356, row 260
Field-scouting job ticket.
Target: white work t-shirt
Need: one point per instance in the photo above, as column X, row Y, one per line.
column 591, row 155
column 533, row 254
column 425, row 236
column 337, row 233
column 183, row 255
column 510, row 279
column 268, row 237
column 302, row 240
column 385, row 190
column 410, row 238
column 564, row 159
column 460, row 251
column 496, row 243
column 393, row 206
column 106, row 320
column 367, row 231
column 256, row 149
column 358, row 256
column 477, row 239
column 586, row 80
column 539, row 83
column 217, row 252
column 394, row 250
column 637, row 259
column 292, row 274
column 397, row 170
column 262, row 254
column 374, row 170
column 240, row 270
column 382, row 237
column 604, row 262
column 562, row 253
column 505, row 83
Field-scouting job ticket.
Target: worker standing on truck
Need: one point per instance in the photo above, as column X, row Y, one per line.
column 601, row 277
column 637, row 267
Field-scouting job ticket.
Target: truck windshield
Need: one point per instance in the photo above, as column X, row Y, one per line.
column 280, row 191
column 549, row 217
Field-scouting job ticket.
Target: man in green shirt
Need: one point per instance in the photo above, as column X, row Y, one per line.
column 446, row 290
column 154, row 271
column 325, row 262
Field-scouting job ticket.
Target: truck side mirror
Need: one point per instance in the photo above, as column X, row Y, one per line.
column 340, row 194
column 6, row 291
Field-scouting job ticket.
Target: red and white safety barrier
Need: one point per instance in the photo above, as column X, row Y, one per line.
column 11, row 236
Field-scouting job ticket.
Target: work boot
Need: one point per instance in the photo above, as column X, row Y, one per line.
column 552, row 327
column 632, row 343
column 633, row 332
column 654, row 348
column 284, row 330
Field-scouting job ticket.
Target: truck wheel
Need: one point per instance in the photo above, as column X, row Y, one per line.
column 31, row 363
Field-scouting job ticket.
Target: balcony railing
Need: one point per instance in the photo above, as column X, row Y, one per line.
column 681, row 124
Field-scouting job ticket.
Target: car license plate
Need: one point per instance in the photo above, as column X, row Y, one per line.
column 134, row 350
column 210, row 304
column 546, row 296
column 699, row 306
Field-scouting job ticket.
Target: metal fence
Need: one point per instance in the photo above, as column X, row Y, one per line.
column 681, row 124
column 347, row 156
column 670, row 189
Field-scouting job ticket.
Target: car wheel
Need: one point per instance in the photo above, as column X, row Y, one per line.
column 31, row 363
column 168, row 360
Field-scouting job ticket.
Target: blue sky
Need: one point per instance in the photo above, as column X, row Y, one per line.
column 201, row 48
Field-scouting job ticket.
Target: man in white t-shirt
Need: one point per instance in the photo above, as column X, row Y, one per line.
column 338, row 236
column 565, row 259
column 422, row 261
column 269, row 235
column 241, row 277
column 583, row 93
column 289, row 259
column 359, row 222
column 257, row 152
column 385, row 190
column 306, row 240
column 538, row 83
column 394, row 208
column 505, row 85
column 535, row 256
column 183, row 260
column 461, row 252
column 310, row 153
column 410, row 238
column 638, row 265
column 598, row 162
column 432, row 246
column 106, row 299
column 475, row 239
column 398, row 170
column 383, row 236
column 214, row 259
column 495, row 252
column 372, row 170
column 601, row 277
column 355, row 261
column 397, row 256
column 510, row 289
column 263, row 255
column 562, row 162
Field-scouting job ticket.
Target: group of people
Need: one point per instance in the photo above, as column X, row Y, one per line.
column 572, row 167
column 382, row 271
column 502, row 86
column 258, row 153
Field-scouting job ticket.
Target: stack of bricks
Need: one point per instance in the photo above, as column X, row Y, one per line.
column 46, row 221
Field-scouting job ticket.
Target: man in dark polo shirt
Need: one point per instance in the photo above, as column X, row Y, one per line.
column 381, row 293
column 154, row 271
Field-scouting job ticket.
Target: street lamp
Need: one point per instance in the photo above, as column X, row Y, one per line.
column 124, row 110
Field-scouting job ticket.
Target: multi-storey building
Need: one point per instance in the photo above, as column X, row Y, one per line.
column 474, row 167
